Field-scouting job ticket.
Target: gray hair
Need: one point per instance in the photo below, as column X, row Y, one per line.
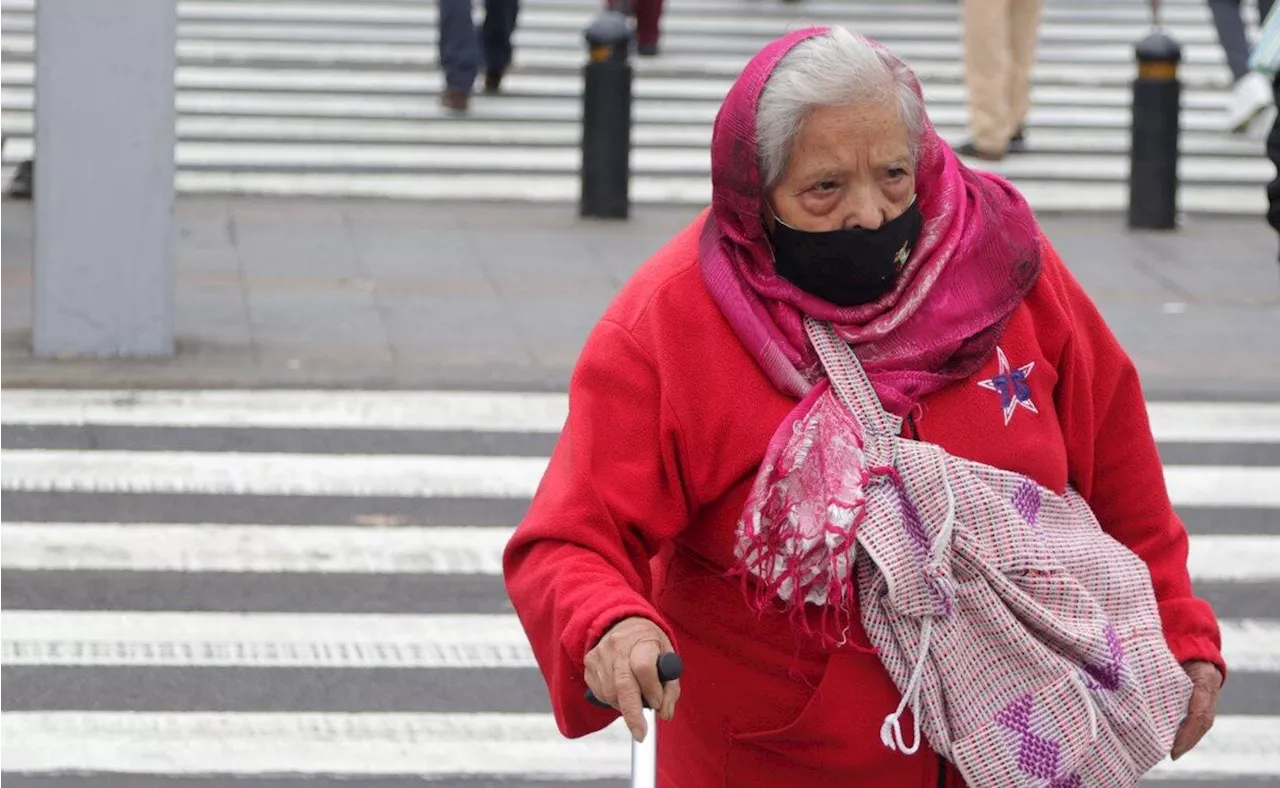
column 830, row 69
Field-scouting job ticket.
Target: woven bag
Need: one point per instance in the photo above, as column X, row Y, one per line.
column 1025, row 640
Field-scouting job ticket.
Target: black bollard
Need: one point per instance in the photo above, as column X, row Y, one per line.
column 606, row 118
column 1153, row 157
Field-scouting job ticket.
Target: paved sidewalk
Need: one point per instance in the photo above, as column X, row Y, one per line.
column 373, row 294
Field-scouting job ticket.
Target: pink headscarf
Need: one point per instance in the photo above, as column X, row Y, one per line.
column 977, row 257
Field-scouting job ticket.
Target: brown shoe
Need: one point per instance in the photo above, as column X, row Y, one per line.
column 456, row 100
column 969, row 149
column 492, row 81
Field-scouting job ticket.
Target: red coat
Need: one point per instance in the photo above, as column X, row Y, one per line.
column 668, row 421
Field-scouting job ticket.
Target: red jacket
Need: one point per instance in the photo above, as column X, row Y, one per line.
column 668, row 421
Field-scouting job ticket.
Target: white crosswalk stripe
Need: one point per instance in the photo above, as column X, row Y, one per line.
column 313, row 640
column 325, row 98
column 229, row 473
column 427, row 745
column 476, row 411
column 431, row 476
column 453, row 550
column 430, row 745
column 238, row 616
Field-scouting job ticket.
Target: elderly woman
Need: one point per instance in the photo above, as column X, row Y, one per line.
column 710, row 495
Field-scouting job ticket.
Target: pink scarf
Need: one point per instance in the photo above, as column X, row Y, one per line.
column 977, row 257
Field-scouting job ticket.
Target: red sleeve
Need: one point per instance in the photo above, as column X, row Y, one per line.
column 1113, row 462
column 611, row 497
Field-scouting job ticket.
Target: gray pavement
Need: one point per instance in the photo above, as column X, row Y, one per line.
column 381, row 294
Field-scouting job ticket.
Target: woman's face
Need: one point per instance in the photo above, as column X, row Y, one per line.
column 850, row 167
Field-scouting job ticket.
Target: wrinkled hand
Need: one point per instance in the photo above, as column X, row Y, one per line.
column 623, row 668
column 1206, row 683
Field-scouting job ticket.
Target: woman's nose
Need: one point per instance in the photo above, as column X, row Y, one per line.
column 865, row 218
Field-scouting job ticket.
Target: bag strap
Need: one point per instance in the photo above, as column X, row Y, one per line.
column 849, row 379
column 852, row 386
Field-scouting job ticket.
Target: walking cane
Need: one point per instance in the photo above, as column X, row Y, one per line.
column 644, row 755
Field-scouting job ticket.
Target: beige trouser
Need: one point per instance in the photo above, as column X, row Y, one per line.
column 999, row 52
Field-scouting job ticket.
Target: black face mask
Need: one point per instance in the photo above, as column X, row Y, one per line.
column 846, row 267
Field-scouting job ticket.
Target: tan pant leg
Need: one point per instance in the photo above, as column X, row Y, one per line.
column 1024, row 34
column 986, row 69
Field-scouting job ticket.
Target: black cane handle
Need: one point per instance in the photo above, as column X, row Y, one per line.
column 669, row 669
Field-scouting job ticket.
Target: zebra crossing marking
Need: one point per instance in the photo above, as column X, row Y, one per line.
column 551, row 45
column 1215, row 422
column 211, row 547
column 257, row 640
column 1235, row 558
column 1173, row 14
column 373, row 64
column 234, row 473
column 432, row 476
column 422, row 744
column 1223, row 485
column 368, row 410
column 1238, row 745
column 454, row 550
column 425, row 744
column 496, row 746
column 39, row 637
column 482, row 411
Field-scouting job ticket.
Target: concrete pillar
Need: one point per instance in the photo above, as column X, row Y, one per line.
column 105, row 115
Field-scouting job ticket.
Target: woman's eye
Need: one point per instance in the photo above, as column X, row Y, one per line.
column 825, row 186
column 896, row 173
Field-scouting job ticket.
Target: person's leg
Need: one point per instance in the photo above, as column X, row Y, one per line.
column 499, row 26
column 1264, row 8
column 1251, row 92
column 459, row 50
column 986, row 73
column 648, row 15
column 1024, row 35
column 1230, row 27
column 1273, row 153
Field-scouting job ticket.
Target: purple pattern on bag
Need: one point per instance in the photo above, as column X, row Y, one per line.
column 911, row 519
column 1038, row 756
column 1106, row 675
column 935, row 575
column 1027, row 501
column 913, row 522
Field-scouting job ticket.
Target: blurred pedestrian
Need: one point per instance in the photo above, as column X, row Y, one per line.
column 1251, row 91
column 1000, row 39
column 1273, row 153
column 1265, row 62
column 462, row 52
column 647, row 13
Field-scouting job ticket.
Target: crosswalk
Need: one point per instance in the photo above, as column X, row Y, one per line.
column 315, row 97
column 304, row 587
